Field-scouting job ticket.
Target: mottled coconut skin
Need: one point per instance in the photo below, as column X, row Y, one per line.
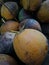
column 6, row 41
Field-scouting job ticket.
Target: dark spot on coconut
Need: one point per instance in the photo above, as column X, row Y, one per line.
column 28, row 58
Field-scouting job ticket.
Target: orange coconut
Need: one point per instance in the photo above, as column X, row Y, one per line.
column 31, row 46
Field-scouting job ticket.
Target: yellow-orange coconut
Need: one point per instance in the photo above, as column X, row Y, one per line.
column 31, row 46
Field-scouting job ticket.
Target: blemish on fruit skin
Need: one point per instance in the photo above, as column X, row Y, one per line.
column 28, row 58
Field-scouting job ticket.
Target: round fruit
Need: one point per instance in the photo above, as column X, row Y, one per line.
column 30, row 23
column 9, row 10
column 23, row 15
column 31, row 46
column 8, row 26
column 43, row 13
column 6, row 41
column 7, row 60
column 30, row 5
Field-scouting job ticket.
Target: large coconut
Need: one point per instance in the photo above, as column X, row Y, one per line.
column 31, row 46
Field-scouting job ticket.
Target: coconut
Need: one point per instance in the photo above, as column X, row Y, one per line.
column 9, row 10
column 8, row 26
column 30, row 5
column 43, row 13
column 31, row 46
